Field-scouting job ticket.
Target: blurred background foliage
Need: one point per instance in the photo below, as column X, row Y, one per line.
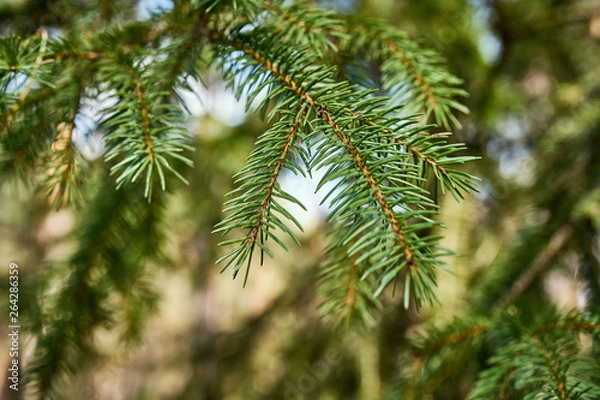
column 527, row 243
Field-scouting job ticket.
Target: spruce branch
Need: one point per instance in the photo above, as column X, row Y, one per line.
column 426, row 148
column 525, row 357
column 541, row 360
column 413, row 76
column 62, row 161
column 68, row 331
column 255, row 207
column 333, row 107
column 557, row 374
column 373, row 185
column 300, row 22
column 107, row 272
column 149, row 140
column 30, row 80
column 345, row 297
column 324, row 113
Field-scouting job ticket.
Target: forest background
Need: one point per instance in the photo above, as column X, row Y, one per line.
column 527, row 243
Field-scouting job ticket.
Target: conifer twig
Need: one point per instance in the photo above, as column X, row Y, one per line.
column 145, row 122
column 60, row 193
column 554, row 368
column 264, row 208
column 383, row 203
column 38, row 62
column 425, row 88
column 324, row 113
column 270, row 6
column 429, row 160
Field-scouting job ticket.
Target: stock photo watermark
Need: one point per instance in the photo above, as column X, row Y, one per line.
column 13, row 326
column 315, row 373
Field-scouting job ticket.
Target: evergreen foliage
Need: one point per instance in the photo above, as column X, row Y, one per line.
column 543, row 357
column 342, row 96
column 378, row 160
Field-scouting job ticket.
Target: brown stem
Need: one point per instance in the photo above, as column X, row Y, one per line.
column 453, row 338
column 560, row 238
column 88, row 55
column 505, row 384
column 63, row 144
column 554, row 369
column 287, row 16
column 410, row 148
column 425, row 88
column 145, row 120
column 387, row 210
column 351, row 295
column 271, row 186
column 573, row 325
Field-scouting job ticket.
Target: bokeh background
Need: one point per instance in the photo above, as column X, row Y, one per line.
column 532, row 71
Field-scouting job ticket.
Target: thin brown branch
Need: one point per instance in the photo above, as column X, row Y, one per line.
column 87, row 55
column 145, row 120
column 59, row 193
column 287, row 16
column 560, row 238
column 291, row 137
column 351, row 295
column 570, row 325
column 554, row 369
column 408, row 147
column 425, row 88
column 505, row 384
column 452, row 339
column 415, row 376
column 387, row 210
column 139, row 90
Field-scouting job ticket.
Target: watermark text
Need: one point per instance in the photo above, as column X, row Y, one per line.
column 13, row 326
